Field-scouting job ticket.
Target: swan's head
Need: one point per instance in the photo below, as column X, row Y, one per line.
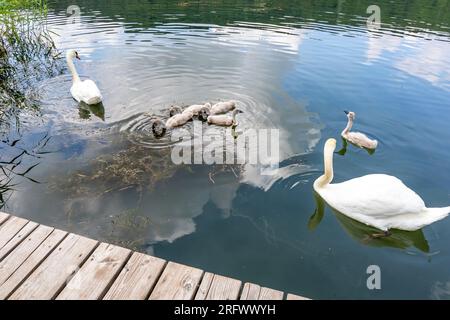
column 174, row 110
column 72, row 54
column 204, row 113
column 158, row 127
column 350, row 115
column 236, row 111
column 207, row 105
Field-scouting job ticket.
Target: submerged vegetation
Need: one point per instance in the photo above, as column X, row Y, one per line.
column 27, row 55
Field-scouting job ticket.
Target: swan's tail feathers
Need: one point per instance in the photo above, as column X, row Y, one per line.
column 431, row 215
column 94, row 100
column 374, row 144
column 416, row 221
column 438, row 213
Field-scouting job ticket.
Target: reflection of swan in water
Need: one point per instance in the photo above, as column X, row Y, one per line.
column 369, row 235
column 85, row 110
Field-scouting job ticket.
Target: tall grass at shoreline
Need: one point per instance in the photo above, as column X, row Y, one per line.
column 27, row 55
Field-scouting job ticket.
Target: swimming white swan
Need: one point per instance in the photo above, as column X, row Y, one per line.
column 357, row 138
column 379, row 200
column 179, row 119
column 224, row 120
column 83, row 91
column 223, row 107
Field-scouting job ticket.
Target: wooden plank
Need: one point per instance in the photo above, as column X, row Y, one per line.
column 137, row 278
column 3, row 217
column 270, row 294
column 178, row 282
column 291, row 296
column 18, row 238
column 31, row 263
column 22, row 252
column 223, row 288
column 204, row 286
column 250, row 291
column 96, row 275
column 51, row 276
column 10, row 228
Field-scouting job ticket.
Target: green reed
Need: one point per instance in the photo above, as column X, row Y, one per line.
column 27, row 55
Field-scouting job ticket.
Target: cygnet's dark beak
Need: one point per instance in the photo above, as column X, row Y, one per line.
column 346, row 112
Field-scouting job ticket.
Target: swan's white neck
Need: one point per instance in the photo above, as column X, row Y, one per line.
column 233, row 115
column 75, row 77
column 348, row 127
column 327, row 177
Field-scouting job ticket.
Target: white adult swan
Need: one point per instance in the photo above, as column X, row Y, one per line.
column 379, row 200
column 83, row 91
column 357, row 138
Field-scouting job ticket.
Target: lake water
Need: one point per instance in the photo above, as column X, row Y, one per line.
column 292, row 66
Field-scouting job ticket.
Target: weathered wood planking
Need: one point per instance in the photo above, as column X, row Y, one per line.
column 10, row 228
column 137, row 278
column 18, row 238
column 97, row 273
column 223, row 288
column 203, row 289
column 291, row 296
column 177, row 282
column 13, row 261
column 250, row 291
column 39, row 262
column 51, row 276
column 270, row 294
column 31, row 262
column 3, row 217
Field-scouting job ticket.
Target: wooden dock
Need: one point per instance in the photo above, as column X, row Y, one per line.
column 41, row 262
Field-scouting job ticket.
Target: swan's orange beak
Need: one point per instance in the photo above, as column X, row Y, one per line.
column 77, row 56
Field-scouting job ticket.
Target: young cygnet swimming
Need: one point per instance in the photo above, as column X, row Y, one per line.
column 179, row 119
column 82, row 91
column 357, row 138
column 158, row 127
column 223, row 107
column 204, row 113
column 224, row 120
column 174, row 110
column 195, row 108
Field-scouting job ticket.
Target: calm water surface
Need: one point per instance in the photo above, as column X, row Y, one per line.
column 291, row 66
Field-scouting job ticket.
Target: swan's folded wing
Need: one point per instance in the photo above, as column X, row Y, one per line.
column 88, row 90
column 376, row 196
